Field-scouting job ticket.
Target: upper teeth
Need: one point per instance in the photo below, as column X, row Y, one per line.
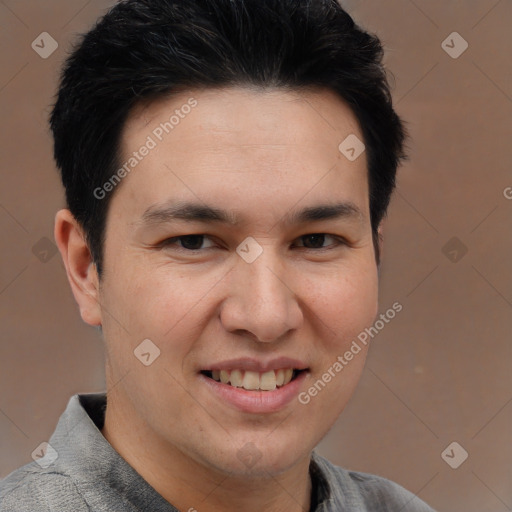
column 266, row 381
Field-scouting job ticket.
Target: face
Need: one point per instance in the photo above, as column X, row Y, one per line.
column 239, row 244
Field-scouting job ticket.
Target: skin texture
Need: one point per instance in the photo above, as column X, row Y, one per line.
column 262, row 155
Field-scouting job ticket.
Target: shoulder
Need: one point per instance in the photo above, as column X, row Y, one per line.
column 366, row 492
column 31, row 488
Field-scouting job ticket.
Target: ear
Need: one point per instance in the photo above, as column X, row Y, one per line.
column 80, row 268
column 380, row 231
column 380, row 244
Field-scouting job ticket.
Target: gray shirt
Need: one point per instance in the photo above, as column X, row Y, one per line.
column 81, row 472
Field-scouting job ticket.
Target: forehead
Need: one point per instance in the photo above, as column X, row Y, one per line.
column 236, row 114
column 238, row 145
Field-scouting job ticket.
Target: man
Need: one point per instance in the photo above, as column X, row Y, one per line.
column 227, row 165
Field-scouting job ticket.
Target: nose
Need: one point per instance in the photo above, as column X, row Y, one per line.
column 260, row 302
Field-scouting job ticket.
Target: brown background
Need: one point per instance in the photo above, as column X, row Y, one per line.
column 439, row 372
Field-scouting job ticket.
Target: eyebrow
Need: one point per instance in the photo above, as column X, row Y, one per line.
column 198, row 212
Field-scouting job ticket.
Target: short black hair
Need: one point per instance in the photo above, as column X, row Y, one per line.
column 145, row 49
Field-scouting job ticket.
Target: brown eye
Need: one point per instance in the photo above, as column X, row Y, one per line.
column 188, row 242
column 317, row 240
column 314, row 241
column 192, row 242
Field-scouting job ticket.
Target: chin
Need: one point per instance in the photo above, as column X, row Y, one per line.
column 261, row 458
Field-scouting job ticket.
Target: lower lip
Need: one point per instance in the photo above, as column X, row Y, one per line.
column 256, row 402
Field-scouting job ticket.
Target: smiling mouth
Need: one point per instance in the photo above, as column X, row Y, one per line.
column 254, row 381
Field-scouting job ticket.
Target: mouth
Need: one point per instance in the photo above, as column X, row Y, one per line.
column 255, row 381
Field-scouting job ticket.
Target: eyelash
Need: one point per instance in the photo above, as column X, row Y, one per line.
column 170, row 242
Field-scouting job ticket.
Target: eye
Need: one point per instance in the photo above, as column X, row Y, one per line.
column 199, row 242
column 187, row 242
column 316, row 241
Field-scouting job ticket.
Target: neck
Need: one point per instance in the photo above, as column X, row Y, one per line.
column 189, row 485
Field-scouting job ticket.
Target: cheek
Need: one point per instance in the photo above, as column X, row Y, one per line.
column 345, row 302
column 343, row 305
column 160, row 303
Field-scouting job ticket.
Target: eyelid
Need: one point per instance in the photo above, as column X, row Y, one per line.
column 338, row 239
column 172, row 241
